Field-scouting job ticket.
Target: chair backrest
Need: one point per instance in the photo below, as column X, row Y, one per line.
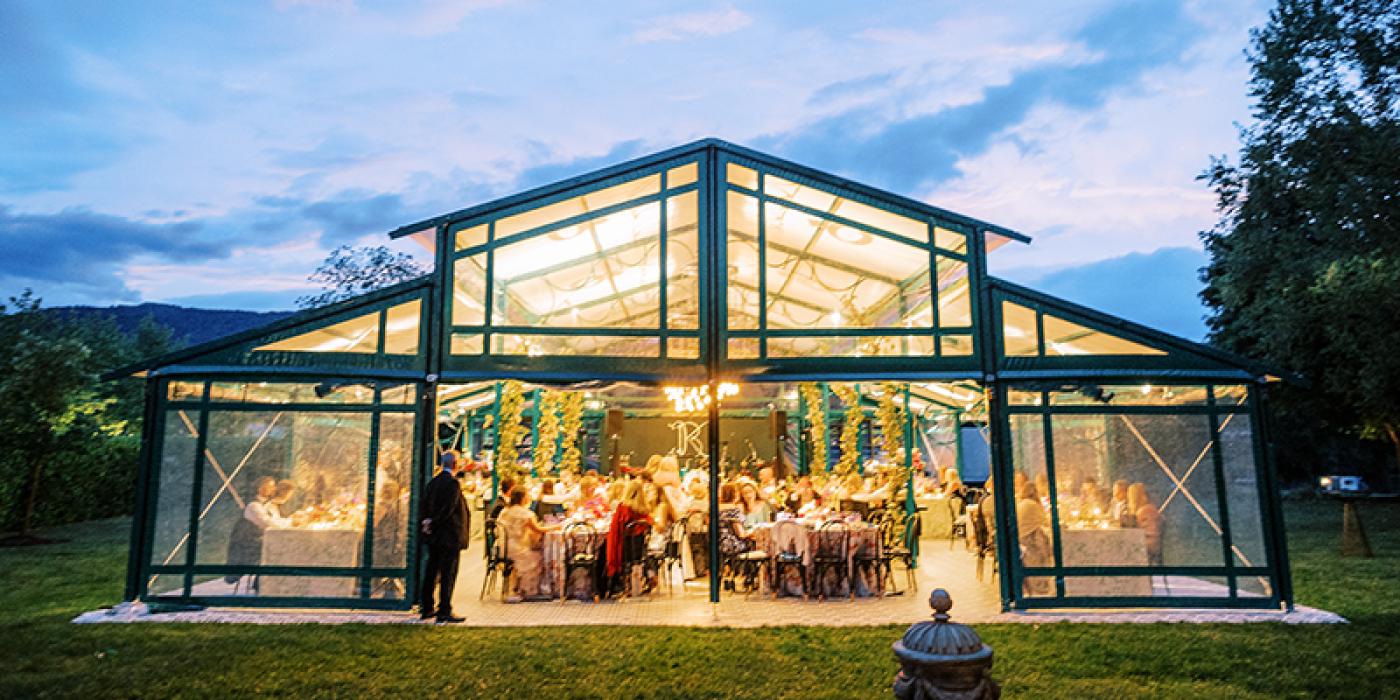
column 887, row 533
column 913, row 527
column 488, row 532
column 579, row 538
column 634, row 540
column 787, row 531
column 832, row 539
column 957, row 504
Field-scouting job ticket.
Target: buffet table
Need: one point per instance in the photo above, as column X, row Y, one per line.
column 1099, row 546
column 310, row 546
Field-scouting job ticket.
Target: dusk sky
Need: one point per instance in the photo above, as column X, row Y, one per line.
column 212, row 154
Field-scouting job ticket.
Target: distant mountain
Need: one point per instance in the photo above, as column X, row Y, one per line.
column 190, row 326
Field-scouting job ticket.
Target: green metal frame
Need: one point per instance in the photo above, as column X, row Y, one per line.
column 141, row 570
column 1275, row 570
column 986, row 368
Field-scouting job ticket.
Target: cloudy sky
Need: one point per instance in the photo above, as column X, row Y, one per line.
column 212, row 154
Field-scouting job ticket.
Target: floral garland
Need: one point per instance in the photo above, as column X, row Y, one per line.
column 816, row 420
column 572, row 411
column 547, row 440
column 508, row 428
column 891, row 416
column 850, row 429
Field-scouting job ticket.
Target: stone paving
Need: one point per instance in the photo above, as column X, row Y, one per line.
column 939, row 567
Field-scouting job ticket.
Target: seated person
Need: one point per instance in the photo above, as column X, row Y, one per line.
column 733, row 537
column 756, row 508
column 636, row 506
column 1118, row 511
column 1149, row 518
column 550, row 504
column 813, row 508
column 501, row 497
column 524, row 540
column 246, row 538
column 800, row 496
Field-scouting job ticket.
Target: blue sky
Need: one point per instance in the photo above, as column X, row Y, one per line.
column 212, row 154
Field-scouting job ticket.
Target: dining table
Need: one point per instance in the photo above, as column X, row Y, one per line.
column 864, row 540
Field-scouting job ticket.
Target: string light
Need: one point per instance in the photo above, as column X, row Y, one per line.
column 693, row 399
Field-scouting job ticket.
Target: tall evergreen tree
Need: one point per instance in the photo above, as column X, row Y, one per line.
column 1304, row 267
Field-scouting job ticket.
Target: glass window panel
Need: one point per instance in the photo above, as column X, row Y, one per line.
column 1130, row 395
column 357, row 335
column 1016, row 397
column 955, row 345
column 159, row 585
column 742, row 176
column 399, row 395
column 682, row 263
column 851, row 346
column 1067, row 338
column 393, row 476
column 1031, row 485
column 171, row 522
column 323, row 457
column 824, row 275
column 1018, row 330
column 401, row 328
column 861, row 213
column 280, row 587
column 681, row 175
column 683, row 348
column 743, row 348
column 184, row 391
column 1242, row 497
column 954, row 301
column 467, row 344
column 1231, row 394
column 1144, row 586
column 576, row 345
column 601, row 273
column 469, row 290
column 1148, row 478
column 949, row 240
column 327, row 392
column 576, row 206
column 742, row 260
column 471, row 237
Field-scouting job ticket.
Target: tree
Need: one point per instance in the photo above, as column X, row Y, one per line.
column 348, row 272
column 42, row 377
column 1304, row 262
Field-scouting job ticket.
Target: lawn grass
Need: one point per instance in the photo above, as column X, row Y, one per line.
column 42, row 588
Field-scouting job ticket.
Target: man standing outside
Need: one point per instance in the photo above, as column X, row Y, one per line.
column 444, row 529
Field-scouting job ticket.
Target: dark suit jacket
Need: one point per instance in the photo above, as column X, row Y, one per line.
column 443, row 502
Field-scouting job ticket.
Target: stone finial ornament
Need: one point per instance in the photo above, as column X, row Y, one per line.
column 942, row 660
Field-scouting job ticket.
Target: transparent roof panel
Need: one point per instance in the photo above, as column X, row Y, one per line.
column 600, row 272
column 830, row 203
column 577, row 206
column 1019, row 338
column 401, row 328
column 824, row 274
column 1068, row 338
column 357, row 335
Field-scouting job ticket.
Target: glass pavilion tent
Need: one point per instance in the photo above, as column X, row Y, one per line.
column 704, row 264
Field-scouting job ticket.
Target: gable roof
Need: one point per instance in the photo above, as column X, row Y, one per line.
column 693, row 148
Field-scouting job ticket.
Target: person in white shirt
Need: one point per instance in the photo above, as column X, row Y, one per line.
column 246, row 538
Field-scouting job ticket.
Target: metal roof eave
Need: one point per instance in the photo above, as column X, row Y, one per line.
column 1249, row 366
column 561, row 186
column 292, row 321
